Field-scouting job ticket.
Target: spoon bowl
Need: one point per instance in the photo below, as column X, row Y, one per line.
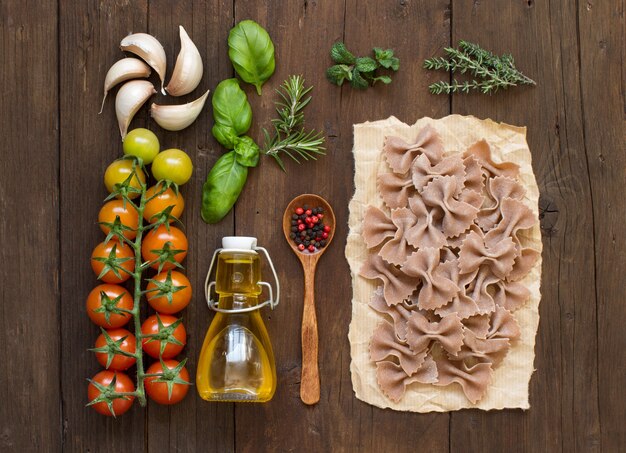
column 310, row 381
column 314, row 201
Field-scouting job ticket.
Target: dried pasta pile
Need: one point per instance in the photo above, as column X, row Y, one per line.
column 448, row 253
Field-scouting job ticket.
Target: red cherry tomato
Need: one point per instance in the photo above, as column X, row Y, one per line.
column 122, row 384
column 156, row 240
column 180, row 298
column 157, row 391
column 120, row 362
column 95, row 302
column 103, row 250
column 153, row 348
column 161, row 202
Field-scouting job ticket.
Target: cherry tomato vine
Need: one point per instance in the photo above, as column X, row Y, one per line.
column 119, row 258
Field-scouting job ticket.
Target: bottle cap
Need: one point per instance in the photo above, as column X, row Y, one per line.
column 239, row 243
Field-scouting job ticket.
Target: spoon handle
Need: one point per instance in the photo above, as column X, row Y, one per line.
column 310, row 380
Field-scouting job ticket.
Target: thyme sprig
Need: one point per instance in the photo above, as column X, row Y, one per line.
column 490, row 72
column 289, row 136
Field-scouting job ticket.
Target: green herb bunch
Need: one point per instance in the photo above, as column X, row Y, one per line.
column 361, row 72
column 289, row 135
column 490, row 72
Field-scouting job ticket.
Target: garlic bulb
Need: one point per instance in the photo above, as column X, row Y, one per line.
column 130, row 97
column 150, row 49
column 124, row 69
column 177, row 117
column 188, row 70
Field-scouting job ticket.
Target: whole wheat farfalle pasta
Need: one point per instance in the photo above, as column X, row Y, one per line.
column 447, row 248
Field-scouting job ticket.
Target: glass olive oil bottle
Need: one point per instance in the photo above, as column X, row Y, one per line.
column 236, row 362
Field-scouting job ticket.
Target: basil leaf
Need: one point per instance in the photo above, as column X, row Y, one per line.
column 252, row 53
column 222, row 187
column 246, row 151
column 231, row 111
column 225, row 135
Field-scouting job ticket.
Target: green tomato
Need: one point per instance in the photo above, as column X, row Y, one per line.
column 173, row 165
column 141, row 143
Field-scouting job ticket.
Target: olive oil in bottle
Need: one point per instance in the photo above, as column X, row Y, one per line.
column 236, row 362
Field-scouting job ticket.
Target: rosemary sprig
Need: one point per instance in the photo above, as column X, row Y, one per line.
column 289, row 135
column 491, row 72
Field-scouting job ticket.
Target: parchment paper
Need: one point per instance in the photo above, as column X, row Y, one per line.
column 509, row 388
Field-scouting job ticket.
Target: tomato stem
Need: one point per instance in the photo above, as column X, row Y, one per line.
column 140, row 391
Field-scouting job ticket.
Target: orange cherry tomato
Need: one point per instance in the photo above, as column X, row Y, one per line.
column 161, row 202
column 103, row 250
column 157, row 391
column 180, row 298
column 156, row 240
column 95, row 301
column 120, row 362
column 127, row 214
column 122, row 384
column 153, row 348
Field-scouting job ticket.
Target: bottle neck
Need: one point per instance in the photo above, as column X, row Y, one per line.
column 238, row 301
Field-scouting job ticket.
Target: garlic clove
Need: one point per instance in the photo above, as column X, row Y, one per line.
column 188, row 70
column 122, row 70
column 130, row 97
column 178, row 117
column 150, row 49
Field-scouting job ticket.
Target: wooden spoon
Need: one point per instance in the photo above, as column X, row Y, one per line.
column 310, row 381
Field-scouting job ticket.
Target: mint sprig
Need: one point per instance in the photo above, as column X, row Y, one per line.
column 361, row 72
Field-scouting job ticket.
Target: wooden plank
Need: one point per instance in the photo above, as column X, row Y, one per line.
column 194, row 425
column 29, row 228
column 602, row 48
column 563, row 393
column 89, row 44
column 303, row 32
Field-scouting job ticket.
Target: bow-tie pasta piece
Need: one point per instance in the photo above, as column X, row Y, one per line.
column 456, row 215
column 395, row 190
column 423, row 171
column 437, row 289
column 393, row 381
column 478, row 324
column 478, row 290
column 398, row 248
column 474, row 380
column 398, row 313
column 524, row 263
column 482, row 152
column 497, row 189
column 377, row 227
column 424, row 233
column 516, row 216
column 503, row 325
column 397, row 286
column 510, row 295
column 400, row 155
column 483, row 350
column 498, row 257
column 448, row 333
column 384, row 344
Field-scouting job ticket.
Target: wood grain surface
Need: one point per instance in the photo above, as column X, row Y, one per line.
column 56, row 147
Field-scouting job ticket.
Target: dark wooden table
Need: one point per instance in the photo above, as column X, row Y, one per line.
column 55, row 148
